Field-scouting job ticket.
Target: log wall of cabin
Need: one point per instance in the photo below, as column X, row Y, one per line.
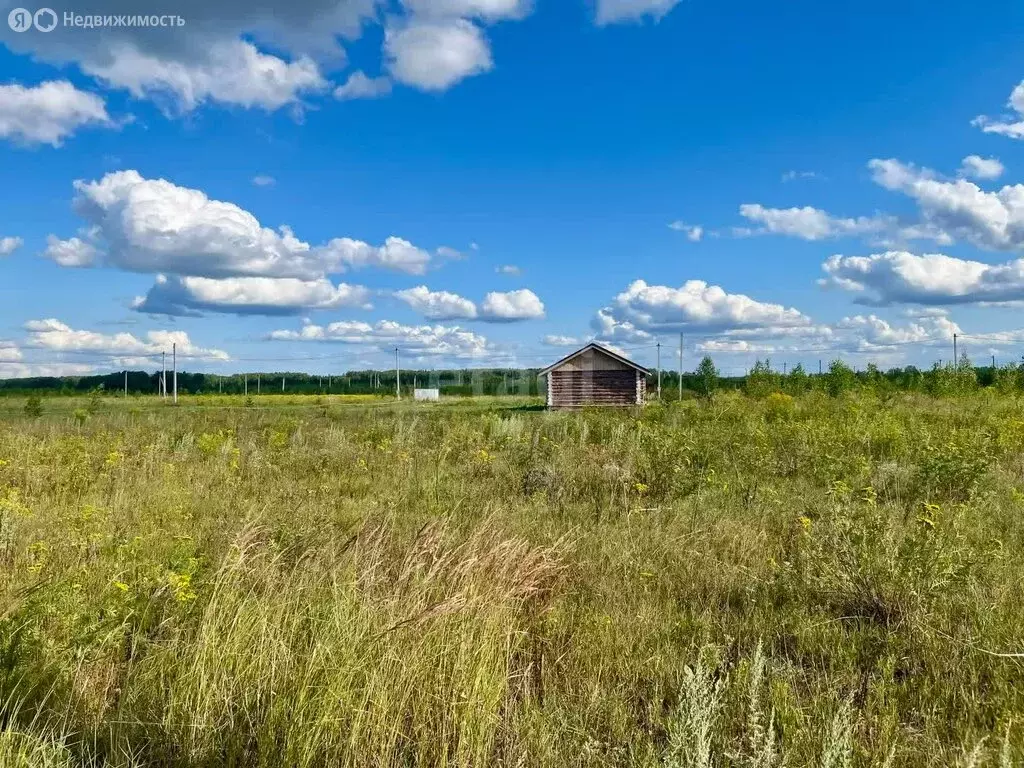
column 593, row 378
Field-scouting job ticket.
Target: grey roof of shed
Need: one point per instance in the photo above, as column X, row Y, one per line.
column 599, row 348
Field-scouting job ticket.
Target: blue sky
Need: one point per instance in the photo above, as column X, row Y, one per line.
column 492, row 181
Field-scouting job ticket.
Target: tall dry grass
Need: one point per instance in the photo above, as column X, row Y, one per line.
column 811, row 581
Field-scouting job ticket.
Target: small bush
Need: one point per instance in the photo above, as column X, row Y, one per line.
column 95, row 403
column 707, row 375
column 778, row 406
column 840, row 378
column 34, row 407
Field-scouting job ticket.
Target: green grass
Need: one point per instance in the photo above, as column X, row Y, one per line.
column 328, row 581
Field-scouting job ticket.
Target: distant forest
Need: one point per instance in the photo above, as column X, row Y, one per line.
column 490, row 381
column 517, row 381
column 450, row 382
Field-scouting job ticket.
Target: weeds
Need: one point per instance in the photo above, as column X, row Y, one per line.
column 797, row 579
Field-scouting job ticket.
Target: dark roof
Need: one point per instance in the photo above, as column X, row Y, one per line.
column 599, row 348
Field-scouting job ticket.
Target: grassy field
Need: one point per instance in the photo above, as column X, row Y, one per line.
column 337, row 582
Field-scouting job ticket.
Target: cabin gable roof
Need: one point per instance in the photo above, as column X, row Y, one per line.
column 597, row 348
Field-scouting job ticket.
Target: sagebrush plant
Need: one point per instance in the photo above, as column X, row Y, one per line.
column 749, row 580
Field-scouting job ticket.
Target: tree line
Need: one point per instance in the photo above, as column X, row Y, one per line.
column 762, row 379
column 455, row 382
column 949, row 379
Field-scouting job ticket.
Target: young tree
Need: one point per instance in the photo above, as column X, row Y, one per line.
column 1008, row 378
column 797, row 381
column 762, row 380
column 876, row 380
column 966, row 375
column 840, row 378
column 34, row 407
column 708, row 376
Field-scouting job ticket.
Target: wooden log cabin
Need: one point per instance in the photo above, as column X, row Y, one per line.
column 595, row 375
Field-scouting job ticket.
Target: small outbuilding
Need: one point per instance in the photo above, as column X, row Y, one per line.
column 594, row 375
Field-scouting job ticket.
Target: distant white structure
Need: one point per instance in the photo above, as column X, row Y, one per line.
column 426, row 394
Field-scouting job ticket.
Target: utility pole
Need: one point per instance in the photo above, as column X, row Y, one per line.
column 956, row 360
column 126, row 383
column 246, row 385
column 819, row 367
column 398, row 380
column 659, row 370
column 282, row 383
column 680, row 367
column 174, row 367
column 257, row 385
column 783, row 369
column 163, row 376
column 220, row 385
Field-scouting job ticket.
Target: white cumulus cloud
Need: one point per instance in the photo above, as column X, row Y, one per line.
column 231, row 72
column 155, row 226
column 1012, row 126
column 397, row 254
column 610, row 328
column 872, row 333
column 25, row 370
column 361, row 86
column 896, row 277
column 433, row 55
column 561, row 341
column 48, row 113
column 249, row 296
column 807, row 223
column 497, row 307
column 977, row 167
column 9, row 351
column 511, row 306
column 73, row 252
column 418, row 340
column 437, row 305
column 993, row 220
column 696, row 304
column 56, row 336
column 9, row 245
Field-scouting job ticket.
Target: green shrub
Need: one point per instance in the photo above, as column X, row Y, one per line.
column 34, row 407
column 762, row 380
column 778, row 406
column 840, row 378
column 707, row 375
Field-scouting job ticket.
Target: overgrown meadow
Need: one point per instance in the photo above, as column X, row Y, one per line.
column 742, row 581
